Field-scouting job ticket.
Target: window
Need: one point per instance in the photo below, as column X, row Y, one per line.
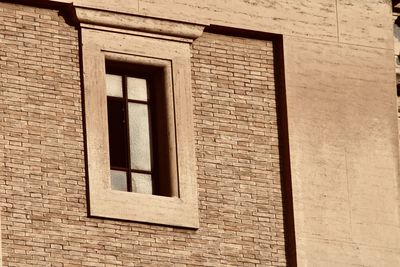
column 129, row 134
column 139, row 128
column 137, row 122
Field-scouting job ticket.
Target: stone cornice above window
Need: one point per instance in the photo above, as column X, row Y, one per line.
column 164, row 29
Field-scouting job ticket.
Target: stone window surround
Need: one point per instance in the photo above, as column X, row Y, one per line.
column 170, row 50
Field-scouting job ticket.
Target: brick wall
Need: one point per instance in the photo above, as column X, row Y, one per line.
column 237, row 149
column 42, row 186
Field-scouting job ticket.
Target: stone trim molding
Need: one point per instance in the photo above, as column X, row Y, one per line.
column 86, row 16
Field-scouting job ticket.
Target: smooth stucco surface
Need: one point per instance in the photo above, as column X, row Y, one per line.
column 344, row 153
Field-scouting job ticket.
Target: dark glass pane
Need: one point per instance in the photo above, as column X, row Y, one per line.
column 117, row 133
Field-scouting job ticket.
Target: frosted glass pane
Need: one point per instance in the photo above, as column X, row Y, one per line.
column 137, row 89
column 118, row 180
column 139, row 135
column 114, row 85
column 141, row 183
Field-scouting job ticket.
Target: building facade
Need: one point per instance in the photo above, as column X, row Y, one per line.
column 269, row 136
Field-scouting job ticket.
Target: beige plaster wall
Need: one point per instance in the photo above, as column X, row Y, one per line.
column 357, row 22
column 342, row 117
column 343, row 140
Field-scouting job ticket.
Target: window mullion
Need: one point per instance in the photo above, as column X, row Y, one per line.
column 151, row 120
column 125, row 97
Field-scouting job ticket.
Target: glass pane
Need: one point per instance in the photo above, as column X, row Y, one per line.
column 141, row 183
column 139, row 137
column 114, row 85
column 117, row 133
column 137, row 89
column 119, row 181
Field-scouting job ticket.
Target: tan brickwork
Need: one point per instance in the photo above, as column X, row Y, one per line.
column 237, row 148
column 43, row 188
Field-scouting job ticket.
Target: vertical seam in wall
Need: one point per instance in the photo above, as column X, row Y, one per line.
column 284, row 152
column 337, row 21
column 348, row 189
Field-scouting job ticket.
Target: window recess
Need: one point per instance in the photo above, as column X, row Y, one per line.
column 139, row 149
